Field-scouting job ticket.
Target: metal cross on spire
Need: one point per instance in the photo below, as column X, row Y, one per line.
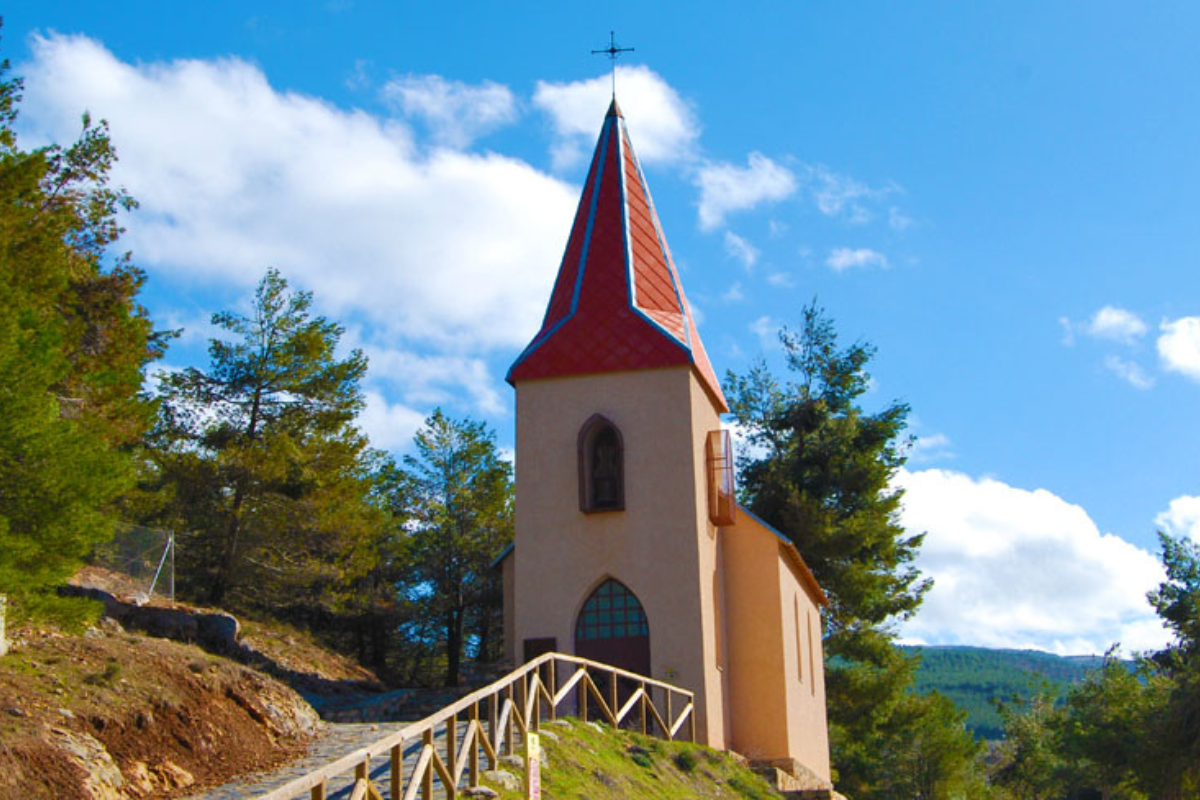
column 613, row 52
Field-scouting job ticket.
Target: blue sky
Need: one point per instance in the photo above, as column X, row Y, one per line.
column 1004, row 198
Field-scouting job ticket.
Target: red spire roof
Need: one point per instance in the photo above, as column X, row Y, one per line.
column 617, row 303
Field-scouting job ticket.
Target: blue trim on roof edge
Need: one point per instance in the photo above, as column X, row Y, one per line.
column 768, row 526
column 662, row 246
column 630, row 278
column 505, row 553
column 602, row 146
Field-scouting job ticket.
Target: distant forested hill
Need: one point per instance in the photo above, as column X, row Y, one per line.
column 972, row 676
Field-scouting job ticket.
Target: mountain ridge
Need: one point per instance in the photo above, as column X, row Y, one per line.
column 977, row 678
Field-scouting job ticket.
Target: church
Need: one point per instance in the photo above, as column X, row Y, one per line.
column 630, row 546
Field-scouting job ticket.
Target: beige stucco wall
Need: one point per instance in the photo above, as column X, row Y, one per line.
column 808, row 737
column 661, row 546
column 776, row 678
column 756, row 650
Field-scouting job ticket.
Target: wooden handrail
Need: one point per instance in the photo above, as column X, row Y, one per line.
column 505, row 714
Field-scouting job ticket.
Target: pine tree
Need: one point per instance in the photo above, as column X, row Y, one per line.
column 462, row 517
column 824, row 480
column 268, row 473
column 73, row 346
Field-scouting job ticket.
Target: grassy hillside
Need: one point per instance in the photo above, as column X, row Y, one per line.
column 582, row 761
column 973, row 676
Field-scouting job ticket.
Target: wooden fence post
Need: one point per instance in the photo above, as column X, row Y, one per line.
column 451, row 749
column 397, row 770
column 612, row 700
column 474, row 730
column 427, row 778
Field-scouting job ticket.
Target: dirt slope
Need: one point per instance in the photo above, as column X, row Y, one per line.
column 113, row 715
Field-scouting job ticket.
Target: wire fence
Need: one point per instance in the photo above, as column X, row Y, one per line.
column 145, row 555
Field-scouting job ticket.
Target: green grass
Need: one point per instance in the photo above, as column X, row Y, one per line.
column 612, row 765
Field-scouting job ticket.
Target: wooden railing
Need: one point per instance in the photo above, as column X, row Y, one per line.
column 515, row 703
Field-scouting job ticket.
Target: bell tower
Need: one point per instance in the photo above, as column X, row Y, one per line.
column 616, row 555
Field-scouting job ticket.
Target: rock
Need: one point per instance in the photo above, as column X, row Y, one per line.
column 16, row 712
column 218, row 632
column 102, row 780
column 172, row 776
column 549, row 736
column 604, row 779
column 139, row 778
column 562, row 723
column 516, row 762
column 478, row 791
column 505, row 780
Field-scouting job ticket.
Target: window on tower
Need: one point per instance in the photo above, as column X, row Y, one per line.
column 601, row 467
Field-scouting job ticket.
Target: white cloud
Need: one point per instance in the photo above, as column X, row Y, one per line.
column 456, row 112
column 783, row 280
column 432, row 380
column 844, row 258
column 734, row 293
column 839, row 195
column 389, row 426
column 767, row 331
column 234, row 176
column 726, row 188
column 1018, row 568
column 1116, row 324
column 898, row 220
column 1068, row 329
column 741, row 250
column 1182, row 517
column 1179, row 346
column 930, row 448
column 664, row 127
column 1129, row 371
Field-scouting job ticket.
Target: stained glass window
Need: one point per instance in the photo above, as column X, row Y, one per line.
column 612, row 612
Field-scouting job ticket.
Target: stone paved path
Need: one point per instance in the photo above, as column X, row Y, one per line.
column 335, row 741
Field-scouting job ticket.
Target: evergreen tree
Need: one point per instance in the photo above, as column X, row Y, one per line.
column 269, row 476
column 73, row 345
column 825, row 481
column 1121, row 734
column 1028, row 764
column 461, row 518
column 1176, row 729
column 930, row 754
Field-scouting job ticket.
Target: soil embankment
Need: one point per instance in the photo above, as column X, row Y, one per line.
column 112, row 715
column 119, row 713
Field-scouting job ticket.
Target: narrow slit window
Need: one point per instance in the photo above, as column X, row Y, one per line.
column 799, row 652
column 811, row 665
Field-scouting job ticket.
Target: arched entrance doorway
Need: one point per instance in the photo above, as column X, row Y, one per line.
column 612, row 628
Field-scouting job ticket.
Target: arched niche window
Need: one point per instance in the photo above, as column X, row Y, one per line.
column 601, row 467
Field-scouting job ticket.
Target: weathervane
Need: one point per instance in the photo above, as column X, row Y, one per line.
column 613, row 52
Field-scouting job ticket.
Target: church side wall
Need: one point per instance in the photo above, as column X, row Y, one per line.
column 758, row 699
column 804, row 666
column 653, row 546
column 710, row 575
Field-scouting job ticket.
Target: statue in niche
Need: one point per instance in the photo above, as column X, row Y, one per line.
column 606, row 470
